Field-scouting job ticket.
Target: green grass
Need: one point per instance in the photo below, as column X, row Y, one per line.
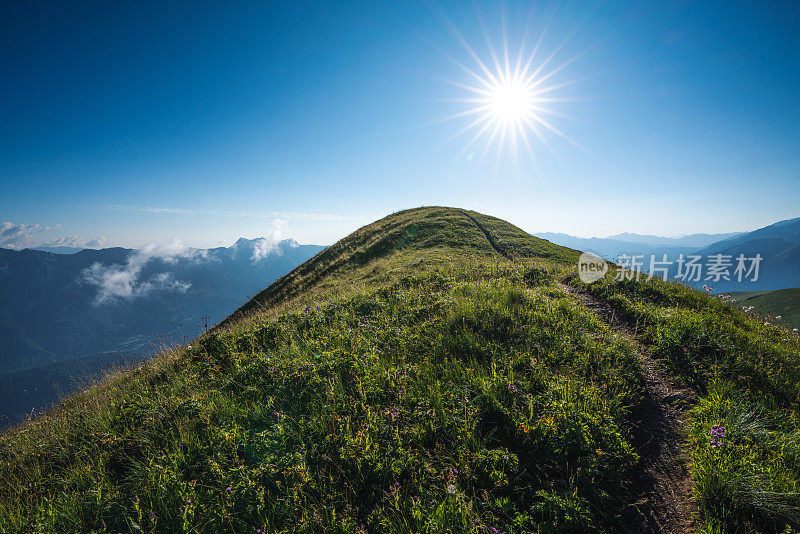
column 440, row 402
column 746, row 373
column 782, row 305
column 411, row 379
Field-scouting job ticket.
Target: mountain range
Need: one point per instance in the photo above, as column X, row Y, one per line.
column 65, row 317
column 778, row 245
column 628, row 243
column 60, row 306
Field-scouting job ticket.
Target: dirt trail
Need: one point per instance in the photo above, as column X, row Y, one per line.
column 661, row 487
column 494, row 244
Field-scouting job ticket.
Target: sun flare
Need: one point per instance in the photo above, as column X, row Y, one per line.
column 510, row 98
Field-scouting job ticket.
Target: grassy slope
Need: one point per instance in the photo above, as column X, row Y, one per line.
column 783, row 302
column 409, row 378
column 746, row 373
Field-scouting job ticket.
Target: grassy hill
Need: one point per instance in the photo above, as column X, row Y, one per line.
column 436, row 371
column 783, row 303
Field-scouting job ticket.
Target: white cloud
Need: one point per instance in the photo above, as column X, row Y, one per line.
column 17, row 236
column 66, row 241
column 20, row 236
column 266, row 245
column 124, row 281
column 98, row 242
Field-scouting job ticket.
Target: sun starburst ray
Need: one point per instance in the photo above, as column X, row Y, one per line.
column 511, row 94
column 468, row 127
column 489, row 75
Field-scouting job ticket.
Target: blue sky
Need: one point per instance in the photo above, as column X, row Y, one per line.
column 144, row 122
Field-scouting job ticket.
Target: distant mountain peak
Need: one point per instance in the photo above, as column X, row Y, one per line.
column 690, row 240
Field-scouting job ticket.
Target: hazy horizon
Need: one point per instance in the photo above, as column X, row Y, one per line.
column 278, row 234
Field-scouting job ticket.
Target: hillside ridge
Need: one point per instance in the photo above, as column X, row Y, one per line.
column 394, row 233
column 437, row 370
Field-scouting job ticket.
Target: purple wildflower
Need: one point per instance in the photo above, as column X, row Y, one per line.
column 717, row 435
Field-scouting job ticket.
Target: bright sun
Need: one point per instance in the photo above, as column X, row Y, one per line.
column 510, row 98
column 510, row 101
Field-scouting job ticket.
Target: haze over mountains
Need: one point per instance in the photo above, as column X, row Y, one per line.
column 613, row 246
column 778, row 245
column 63, row 316
column 120, row 300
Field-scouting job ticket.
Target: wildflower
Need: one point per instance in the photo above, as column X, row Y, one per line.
column 512, row 387
column 228, row 489
column 717, row 435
